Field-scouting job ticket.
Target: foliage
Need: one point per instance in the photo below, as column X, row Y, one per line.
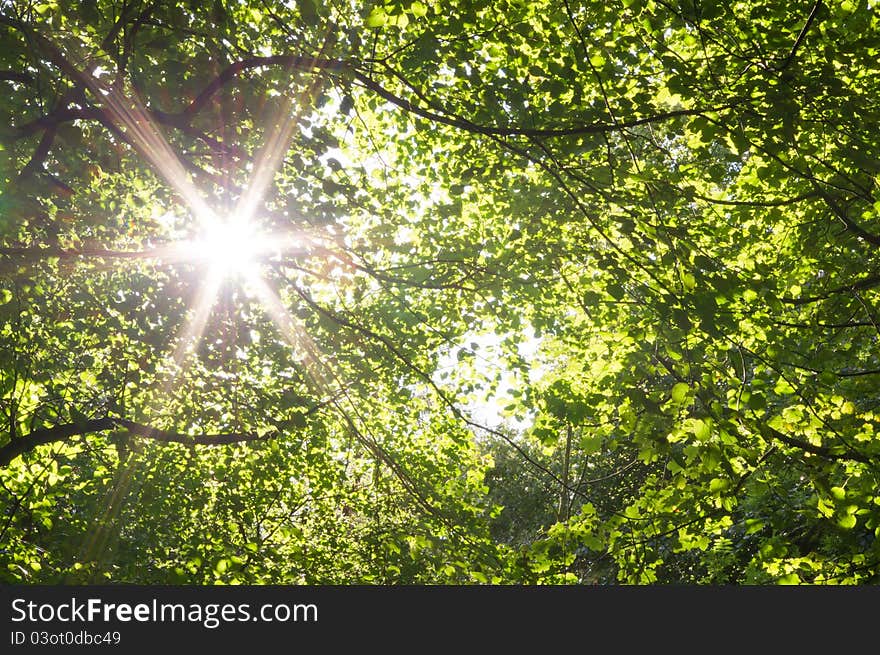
column 665, row 214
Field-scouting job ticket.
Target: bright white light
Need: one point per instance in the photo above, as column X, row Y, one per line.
column 231, row 248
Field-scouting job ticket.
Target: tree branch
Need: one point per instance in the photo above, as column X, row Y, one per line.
column 36, row 161
column 65, row 431
column 38, row 253
column 800, row 37
column 868, row 282
column 838, row 211
column 16, row 76
column 822, row 451
column 600, row 127
column 293, row 62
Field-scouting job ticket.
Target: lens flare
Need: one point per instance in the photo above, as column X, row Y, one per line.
column 231, row 248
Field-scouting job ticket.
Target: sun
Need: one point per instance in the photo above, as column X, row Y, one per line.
column 231, row 248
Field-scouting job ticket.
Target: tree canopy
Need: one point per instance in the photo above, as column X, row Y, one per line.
column 416, row 292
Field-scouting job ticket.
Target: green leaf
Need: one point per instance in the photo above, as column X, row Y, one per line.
column 848, row 521
column 376, row 18
column 702, row 429
column 756, row 401
column 680, row 392
column 826, row 509
column 308, row 9
column 783, row 387
column 632, row 512
column 298, row 420
column 789, row 579
column 754, row 525
column 717, row 485
column 616, row 291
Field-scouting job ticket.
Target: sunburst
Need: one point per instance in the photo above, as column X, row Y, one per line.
column 229, row 248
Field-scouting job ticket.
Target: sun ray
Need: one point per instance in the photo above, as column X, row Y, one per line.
column 194, row 327
column 96, row 541
column 146, row 137
column 272, row 153
column 233, row 245
column 294, row 334
column 267, row 163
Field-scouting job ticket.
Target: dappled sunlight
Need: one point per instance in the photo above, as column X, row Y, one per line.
column 225, row 249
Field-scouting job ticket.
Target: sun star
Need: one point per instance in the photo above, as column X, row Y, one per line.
column 231, row 248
